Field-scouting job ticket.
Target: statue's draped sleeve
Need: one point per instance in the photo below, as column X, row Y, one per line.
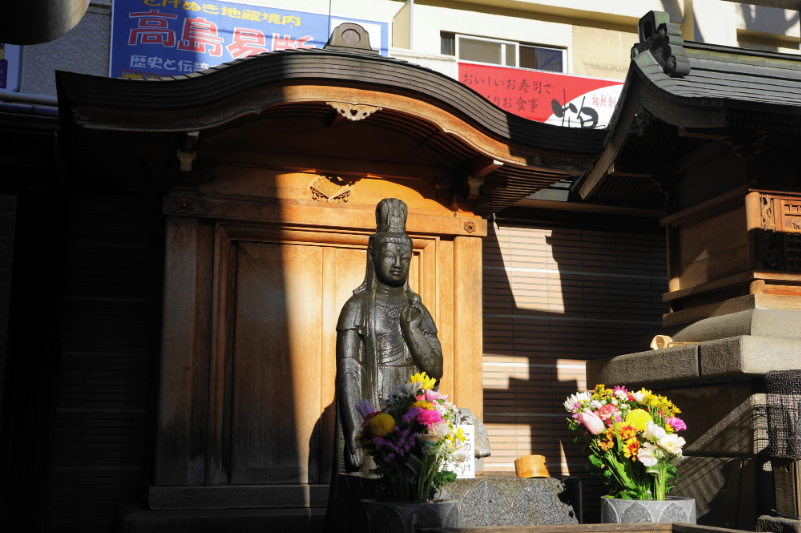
column 351, row 328
column 427, row 323
column 354, row 316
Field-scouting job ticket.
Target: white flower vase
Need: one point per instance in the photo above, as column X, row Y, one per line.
column 407, row 517
column 673, row 509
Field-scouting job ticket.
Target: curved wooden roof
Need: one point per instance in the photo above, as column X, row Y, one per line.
column 533, row 155
column 323, row 66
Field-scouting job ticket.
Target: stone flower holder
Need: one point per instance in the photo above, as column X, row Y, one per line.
column 674, row 509
column 406, row 517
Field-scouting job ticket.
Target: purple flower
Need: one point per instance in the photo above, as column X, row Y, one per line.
column 364, row 408
column 411, row 414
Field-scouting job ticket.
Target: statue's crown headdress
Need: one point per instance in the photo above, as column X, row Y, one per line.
column 390, row 221
column 390, row 216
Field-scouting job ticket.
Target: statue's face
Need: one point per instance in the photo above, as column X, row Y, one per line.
column 392, row 264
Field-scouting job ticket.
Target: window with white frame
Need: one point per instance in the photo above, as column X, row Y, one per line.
column 503, row 53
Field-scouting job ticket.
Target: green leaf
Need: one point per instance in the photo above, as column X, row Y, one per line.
column 414, row 464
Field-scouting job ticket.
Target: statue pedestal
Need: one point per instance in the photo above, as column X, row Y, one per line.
column 489, row 499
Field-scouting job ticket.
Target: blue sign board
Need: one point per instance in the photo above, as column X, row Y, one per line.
column 152, row 38
column 10, row 66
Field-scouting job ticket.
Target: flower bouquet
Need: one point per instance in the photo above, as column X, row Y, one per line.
column 411, row 439
column 632, row 439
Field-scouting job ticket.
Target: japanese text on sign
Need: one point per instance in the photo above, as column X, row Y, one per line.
column 544, row 96
column 173, row 37
column 466, row 468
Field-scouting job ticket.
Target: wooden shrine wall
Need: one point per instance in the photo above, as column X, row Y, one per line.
column 258, row 267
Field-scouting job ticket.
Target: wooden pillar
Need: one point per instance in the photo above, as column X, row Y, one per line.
column 467, row 325
column 183, row 401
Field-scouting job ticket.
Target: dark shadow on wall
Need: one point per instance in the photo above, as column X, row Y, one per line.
column 559, row 292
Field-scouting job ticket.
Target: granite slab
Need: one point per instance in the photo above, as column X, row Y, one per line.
column 490, row 499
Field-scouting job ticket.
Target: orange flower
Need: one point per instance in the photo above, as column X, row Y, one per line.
column 631, row 448
column 627, row 431
column 609, row 440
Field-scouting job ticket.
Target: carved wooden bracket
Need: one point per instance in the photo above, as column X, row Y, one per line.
column 330, row 189
column 640, row 122
column 664, row 41
column 770, row 251
column 354, row 112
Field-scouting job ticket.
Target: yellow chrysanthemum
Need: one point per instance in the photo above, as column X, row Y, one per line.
column 638, row 418
column 382, row 424
column 421, row 377
column 423, row 404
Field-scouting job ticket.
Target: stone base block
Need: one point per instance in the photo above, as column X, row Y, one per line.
column 732, row 358
column 133, row 517
column 726, row 420
column 728, row 491
column 512, row 501
column 491, row 499
column 778, row 525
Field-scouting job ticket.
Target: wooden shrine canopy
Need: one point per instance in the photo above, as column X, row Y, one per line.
column 728, row 94
column 451, row 131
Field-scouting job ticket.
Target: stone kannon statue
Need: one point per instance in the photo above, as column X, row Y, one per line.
column 384, row 335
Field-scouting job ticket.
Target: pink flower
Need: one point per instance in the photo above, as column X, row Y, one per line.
column 592, row 422
column 607, row 411
column 428, row 417
column 677, row 423
column 620, row 388
column 433, row 396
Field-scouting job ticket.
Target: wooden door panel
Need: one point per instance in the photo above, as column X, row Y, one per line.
column 276, row 364
column 286, row 302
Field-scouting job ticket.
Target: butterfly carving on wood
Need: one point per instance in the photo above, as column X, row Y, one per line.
column 330, row 189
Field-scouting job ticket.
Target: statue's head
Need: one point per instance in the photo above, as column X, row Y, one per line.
column 389, row 254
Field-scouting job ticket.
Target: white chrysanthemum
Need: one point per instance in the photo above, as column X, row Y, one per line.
column 621, row 395
column 407, row 388
column 595, row 404
column 573, row 399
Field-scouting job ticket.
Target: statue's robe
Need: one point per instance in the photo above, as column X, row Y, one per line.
column 380, row 363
